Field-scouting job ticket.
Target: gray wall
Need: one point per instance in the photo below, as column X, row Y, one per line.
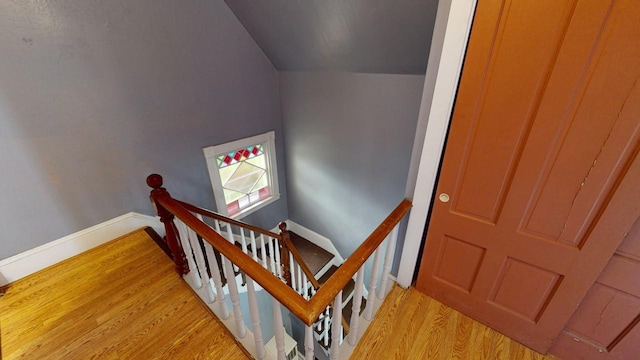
column 349, row 138
column 94, row 96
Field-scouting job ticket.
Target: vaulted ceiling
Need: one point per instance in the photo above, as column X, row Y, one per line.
column 370, row 36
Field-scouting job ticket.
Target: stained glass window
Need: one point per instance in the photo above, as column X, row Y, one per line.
column 244, row 174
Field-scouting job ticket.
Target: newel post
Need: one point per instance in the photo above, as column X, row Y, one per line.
column 286, row 268
column 158, row 192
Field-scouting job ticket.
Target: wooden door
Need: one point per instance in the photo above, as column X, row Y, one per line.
column 540, row 178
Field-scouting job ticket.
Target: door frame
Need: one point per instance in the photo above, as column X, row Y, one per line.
column 448, row 47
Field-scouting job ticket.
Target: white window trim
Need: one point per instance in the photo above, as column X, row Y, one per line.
column 211, row 153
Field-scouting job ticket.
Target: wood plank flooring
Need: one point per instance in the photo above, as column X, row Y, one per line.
column 121, row 300
column 410, row 325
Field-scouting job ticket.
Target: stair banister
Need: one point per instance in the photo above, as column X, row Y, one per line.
column 330, row 289
column 309, row 311
column 285, row 240
column 296, row 255
column 297, row 300
column 214, row 215
column 273, row 285
column 166, row 218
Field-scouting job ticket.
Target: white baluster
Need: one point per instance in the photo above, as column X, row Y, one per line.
column 321, row 317
column 388, row 258
column 278, row 328
column 216, row 224
column 373, row 283
column 272, row 256
column 215, row 275
column 254, row 249
column 305, row 288
column 325, row 328
column 276, row 245
column 233, row 292
column 186, row 247
column 255, row 318
column 202, row 266
column 232, row 240
column 214, row 268
column 355, row 310
column 308, row 343
column 292, row 271
column 336, row 327
column 299, row 279
column 243, row 241
column 217, row 281
column 263, row 252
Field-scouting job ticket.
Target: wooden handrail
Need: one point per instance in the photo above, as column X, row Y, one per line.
column 285, row 241
column 215, row 215
column 272, row 284
column 306, row 310
column 338, row 280
column 310, row 276
column 282, row 226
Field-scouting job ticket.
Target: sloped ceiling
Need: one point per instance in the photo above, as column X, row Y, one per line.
column 369, row 36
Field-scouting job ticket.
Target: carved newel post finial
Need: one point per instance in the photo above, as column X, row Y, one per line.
column 282, row 226
column 166, row 217
column 154, row 181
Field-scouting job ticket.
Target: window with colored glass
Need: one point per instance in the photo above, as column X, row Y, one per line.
column 243, row 174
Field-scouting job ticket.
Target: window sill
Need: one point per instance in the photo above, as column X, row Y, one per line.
column 253, row 208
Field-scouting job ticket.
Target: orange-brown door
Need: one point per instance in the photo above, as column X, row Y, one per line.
column 540, row 179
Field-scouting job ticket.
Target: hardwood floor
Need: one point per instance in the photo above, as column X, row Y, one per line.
column 121, row 300
column 410, row 325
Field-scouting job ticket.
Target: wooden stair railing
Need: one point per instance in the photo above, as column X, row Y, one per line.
column 307, row 310
column 282, row 236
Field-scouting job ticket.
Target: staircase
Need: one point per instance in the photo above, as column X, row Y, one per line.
column 228, row 263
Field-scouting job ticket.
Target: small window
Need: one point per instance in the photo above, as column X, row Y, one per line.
column 243, row 174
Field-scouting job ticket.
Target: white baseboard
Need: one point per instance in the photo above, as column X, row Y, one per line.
column 31, row 261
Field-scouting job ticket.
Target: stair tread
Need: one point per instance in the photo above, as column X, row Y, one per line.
column 313, row 255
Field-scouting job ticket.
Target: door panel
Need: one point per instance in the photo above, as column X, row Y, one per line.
column 606, row 325
column 491, row 145
column 538, row 164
